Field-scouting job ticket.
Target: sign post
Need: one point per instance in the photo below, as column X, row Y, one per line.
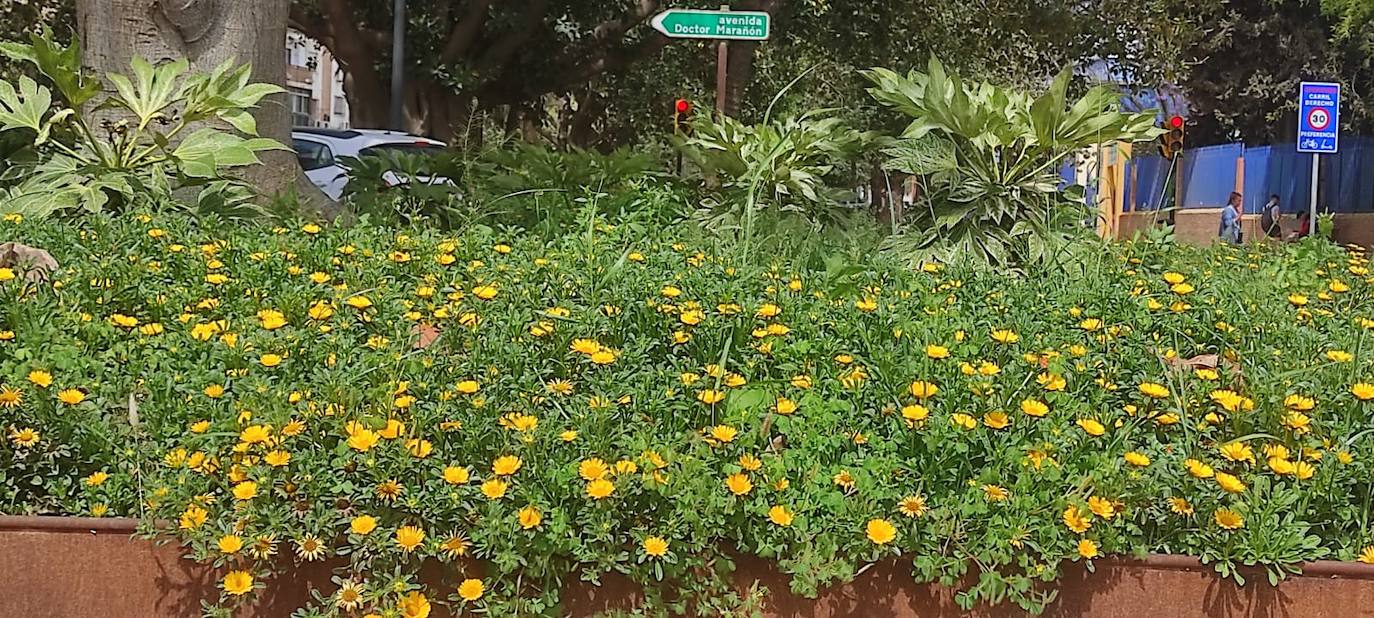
column 724, row 26
column 1319, row 133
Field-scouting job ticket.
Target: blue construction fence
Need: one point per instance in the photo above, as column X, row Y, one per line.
column 1209, row 176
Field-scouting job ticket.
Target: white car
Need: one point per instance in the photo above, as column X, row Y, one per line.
column 319, row 150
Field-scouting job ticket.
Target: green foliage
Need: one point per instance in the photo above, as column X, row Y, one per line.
column 532, row 187
column 155, row 134
column 989, row 158
column 278, row 384
column 782, row 169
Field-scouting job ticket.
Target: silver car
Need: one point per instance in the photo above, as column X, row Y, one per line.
column 319, row 151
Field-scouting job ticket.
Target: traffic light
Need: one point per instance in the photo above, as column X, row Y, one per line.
column 1171, row 142
column 682, row 110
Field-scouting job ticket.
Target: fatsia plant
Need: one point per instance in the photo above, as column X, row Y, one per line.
column 988, row 157
column 157, row 131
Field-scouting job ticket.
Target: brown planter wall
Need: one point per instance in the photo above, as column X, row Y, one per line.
column 73, row 568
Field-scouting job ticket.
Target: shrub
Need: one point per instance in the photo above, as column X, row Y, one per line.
column 619, row 401
column 989, row 158
column 155, row 134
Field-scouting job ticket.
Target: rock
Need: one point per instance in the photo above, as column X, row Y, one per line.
column 34, row 265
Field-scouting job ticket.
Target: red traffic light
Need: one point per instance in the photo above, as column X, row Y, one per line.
column 1176, row 122
column 683, row 106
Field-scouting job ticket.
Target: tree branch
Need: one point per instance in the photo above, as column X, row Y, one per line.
column 502, row 49
column 464, row 31
column 613, row 29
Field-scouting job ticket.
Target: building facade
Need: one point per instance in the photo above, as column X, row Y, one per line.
column 314, row 84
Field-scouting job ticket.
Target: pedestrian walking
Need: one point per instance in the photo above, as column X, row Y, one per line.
column 1269, row 219
column 1230, row 220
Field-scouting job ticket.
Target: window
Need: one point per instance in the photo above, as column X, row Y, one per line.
column 300, row 107
column 312, row 155
column 407, row 147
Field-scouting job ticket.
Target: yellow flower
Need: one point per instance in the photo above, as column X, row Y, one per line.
column 1006, row 336
column 1076, row 520
column 1036, row 408
column 655, row 546
column 1339, row 356
column 506, row 465
column 247, row 490
column 1229, row 483
column 414, row 605
column 10, row 397
column 1136, row 459
column 229, row 544
column 1367, row 556
column 923, row 390
column 915, row 413
column 600, row 488
column 780, row 516
column 530, row 517
column 1087, row 549
column 41, row 379
column 409, row 537
column 912, row 506
column 1299, row 403
column 1228, row 519
column 994, row 493
column 363, row 525
column 1182, row 289
column 603, row 356
column 1363, row 391
column 1090, row 324
column 494, row 489
column 96, row 479
column 1180, row 506
column 277, row 458
column 1198, row 469
column 1232, row 401
column 193, row 517
column 270, row 360
column 963, row 420
column 71, row 396
column 255, row 434
column 785, row 406
column 866, row 304
column 271, row 319
column 996, row 420
column 485, row 292
column 1101, row 507
column 1091, row 426
column 471, row 589
column 1153, row 390
column 363, row 440
column 238, row 583
column 419, row 448
column 738, row 484
column 358, row 302
column 937, row 352
column 723, row 433
column 880, row 531
column 710, row 396
column 1173, row 278
column 1237, row 451
column 456, row 475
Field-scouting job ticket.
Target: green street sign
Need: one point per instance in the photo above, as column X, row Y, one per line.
column 729, row 25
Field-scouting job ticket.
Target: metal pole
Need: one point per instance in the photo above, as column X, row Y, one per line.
column 1316, row 175
column 398, row 48
column 722, row 78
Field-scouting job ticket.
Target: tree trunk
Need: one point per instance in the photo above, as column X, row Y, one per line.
column 207, row 33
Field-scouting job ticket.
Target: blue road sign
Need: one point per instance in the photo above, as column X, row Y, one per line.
column 1319, row 117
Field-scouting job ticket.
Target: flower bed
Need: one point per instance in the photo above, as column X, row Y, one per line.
column 621, row 404
column 119, row 577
